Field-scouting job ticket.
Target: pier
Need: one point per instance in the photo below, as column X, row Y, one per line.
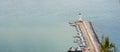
column 87, row 39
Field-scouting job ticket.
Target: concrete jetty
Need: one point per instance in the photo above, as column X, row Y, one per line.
column 88, row 40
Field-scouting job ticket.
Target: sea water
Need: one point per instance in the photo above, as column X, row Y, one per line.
column 42, row 25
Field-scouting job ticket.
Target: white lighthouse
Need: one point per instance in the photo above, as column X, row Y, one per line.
column 80, row 17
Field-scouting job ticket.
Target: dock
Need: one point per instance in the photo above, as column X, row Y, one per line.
column 87, row 39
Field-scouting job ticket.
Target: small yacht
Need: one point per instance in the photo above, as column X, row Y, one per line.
column 72, row 49
column 78, row 49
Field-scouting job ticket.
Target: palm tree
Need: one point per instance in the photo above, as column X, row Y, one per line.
column 107, row 46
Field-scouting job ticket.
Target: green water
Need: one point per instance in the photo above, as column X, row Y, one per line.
column 42, row 25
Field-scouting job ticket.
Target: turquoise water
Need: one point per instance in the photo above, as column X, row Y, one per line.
column 42, row 25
